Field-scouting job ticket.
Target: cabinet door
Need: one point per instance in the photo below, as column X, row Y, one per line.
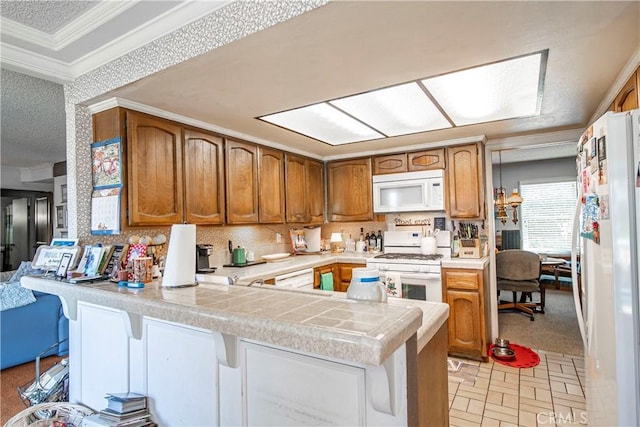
column 155, row 188
column 242, row 182
column 464, row 182
column 204, row 178
column 627, row 98
column 330, row 268
column 271, row 185
column 426, row 160
column 465, row 334
column 394, row 163
column 295, row 184
column 314, row 183
column 345, row 272
column 350, row 191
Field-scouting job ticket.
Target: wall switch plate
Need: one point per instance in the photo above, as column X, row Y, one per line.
column 278, row 237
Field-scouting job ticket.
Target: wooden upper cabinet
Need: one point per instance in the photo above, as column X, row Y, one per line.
column 465, row 182
column 296, row 189
column 350, row 190
column 627, row 98
column 242, row 182
column 426, row 160
column 203, row 177
column 271, row 185
column 305, row 190
column 393, row 163
column 154, row 153
column 314, row 176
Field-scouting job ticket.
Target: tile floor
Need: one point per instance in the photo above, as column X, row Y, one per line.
column 492, row 394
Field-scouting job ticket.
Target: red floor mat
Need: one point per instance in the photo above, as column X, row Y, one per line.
column 525, row 357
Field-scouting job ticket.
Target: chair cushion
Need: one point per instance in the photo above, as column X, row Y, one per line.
column 518, row 285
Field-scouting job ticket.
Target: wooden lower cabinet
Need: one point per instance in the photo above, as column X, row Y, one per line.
column 329, row 268
column 341, row 275
column 465, row 291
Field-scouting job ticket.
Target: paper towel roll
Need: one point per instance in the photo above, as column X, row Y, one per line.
column 180, row 266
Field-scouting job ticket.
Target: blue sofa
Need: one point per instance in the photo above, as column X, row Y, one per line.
column 28, row 330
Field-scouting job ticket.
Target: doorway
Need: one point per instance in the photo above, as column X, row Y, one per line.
column 26, row 224
column 557, row 329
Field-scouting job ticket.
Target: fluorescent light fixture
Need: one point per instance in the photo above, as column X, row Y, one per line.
column 502, row 90
column 323, row 122
column 498, row 91
column 396, row 110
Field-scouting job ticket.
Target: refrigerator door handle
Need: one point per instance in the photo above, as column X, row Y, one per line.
column 574, row 270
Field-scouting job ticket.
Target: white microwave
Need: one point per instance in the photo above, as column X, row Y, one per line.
column 409, row 192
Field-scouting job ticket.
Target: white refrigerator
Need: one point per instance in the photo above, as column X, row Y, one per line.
column 606, row 236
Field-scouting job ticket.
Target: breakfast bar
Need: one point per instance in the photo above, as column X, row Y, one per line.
column 237, row 355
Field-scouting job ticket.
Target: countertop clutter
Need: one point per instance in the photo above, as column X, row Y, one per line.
column 246, row 275
column 323, row 323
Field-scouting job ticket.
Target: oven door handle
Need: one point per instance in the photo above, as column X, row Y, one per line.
column 419, row 276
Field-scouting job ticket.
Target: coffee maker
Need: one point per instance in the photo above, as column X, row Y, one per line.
column 202, row 259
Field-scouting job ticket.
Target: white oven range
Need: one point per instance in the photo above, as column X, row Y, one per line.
column 402, row 262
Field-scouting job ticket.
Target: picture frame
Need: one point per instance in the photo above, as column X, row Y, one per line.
column 60, row 217
column 63, row 193
column 63, row 266
column 63, row 241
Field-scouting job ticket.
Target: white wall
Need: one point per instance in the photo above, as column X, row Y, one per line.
column 12, row 179
column 513, row 173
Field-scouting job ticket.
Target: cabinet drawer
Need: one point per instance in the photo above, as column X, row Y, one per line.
column 468, row 279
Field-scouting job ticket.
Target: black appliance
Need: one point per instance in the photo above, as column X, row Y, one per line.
column 202, row 259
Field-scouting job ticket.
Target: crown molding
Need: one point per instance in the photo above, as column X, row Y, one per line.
column 89, row 21
column 143, row 108
column 41, row 66
column 35, row 65
column 162, row 25
column 545, row 139
column 623, row 76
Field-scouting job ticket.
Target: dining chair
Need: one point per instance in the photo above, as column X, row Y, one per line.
column 518, row 271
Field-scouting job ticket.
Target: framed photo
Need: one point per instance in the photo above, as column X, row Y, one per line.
column 63, row 193
column 60, row 217
column 64, row 264
column 63, row 241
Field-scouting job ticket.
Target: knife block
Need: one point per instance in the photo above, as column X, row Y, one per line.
column 469, row 248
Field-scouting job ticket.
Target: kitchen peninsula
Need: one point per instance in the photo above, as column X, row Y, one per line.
column 237, row 355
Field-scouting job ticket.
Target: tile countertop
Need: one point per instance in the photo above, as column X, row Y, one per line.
column 319, row 322
column 469, row 263
column 287, row 265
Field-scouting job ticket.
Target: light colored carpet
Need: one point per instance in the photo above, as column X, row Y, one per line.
column 556, row 330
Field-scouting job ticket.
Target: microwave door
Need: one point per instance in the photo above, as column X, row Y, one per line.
column 405, row 196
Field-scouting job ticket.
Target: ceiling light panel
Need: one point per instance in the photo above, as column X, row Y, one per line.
column 325, row 123
column 497, row 91
column 397, row 110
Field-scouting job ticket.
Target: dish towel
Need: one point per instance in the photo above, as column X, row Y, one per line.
column 394, row 285
column 326, row 281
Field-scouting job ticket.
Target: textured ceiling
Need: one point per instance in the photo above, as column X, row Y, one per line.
column 336, row 50
column 46, row 16
column 33, row 120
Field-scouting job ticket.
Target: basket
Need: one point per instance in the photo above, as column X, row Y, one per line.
column 50, row 414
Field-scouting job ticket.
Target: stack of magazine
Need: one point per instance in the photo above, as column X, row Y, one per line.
column 123, row 410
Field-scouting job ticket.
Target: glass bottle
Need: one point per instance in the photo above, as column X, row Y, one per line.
column 380, row 246
column 373, row 241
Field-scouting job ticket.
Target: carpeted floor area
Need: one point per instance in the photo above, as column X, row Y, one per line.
column 556, row 330
column 11, row 378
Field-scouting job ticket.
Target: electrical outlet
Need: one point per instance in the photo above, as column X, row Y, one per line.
column 278, row 238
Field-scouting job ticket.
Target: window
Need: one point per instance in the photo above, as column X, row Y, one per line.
column 547, row 214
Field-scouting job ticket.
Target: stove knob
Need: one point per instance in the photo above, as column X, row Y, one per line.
column 383, row 268
column 416, row 269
